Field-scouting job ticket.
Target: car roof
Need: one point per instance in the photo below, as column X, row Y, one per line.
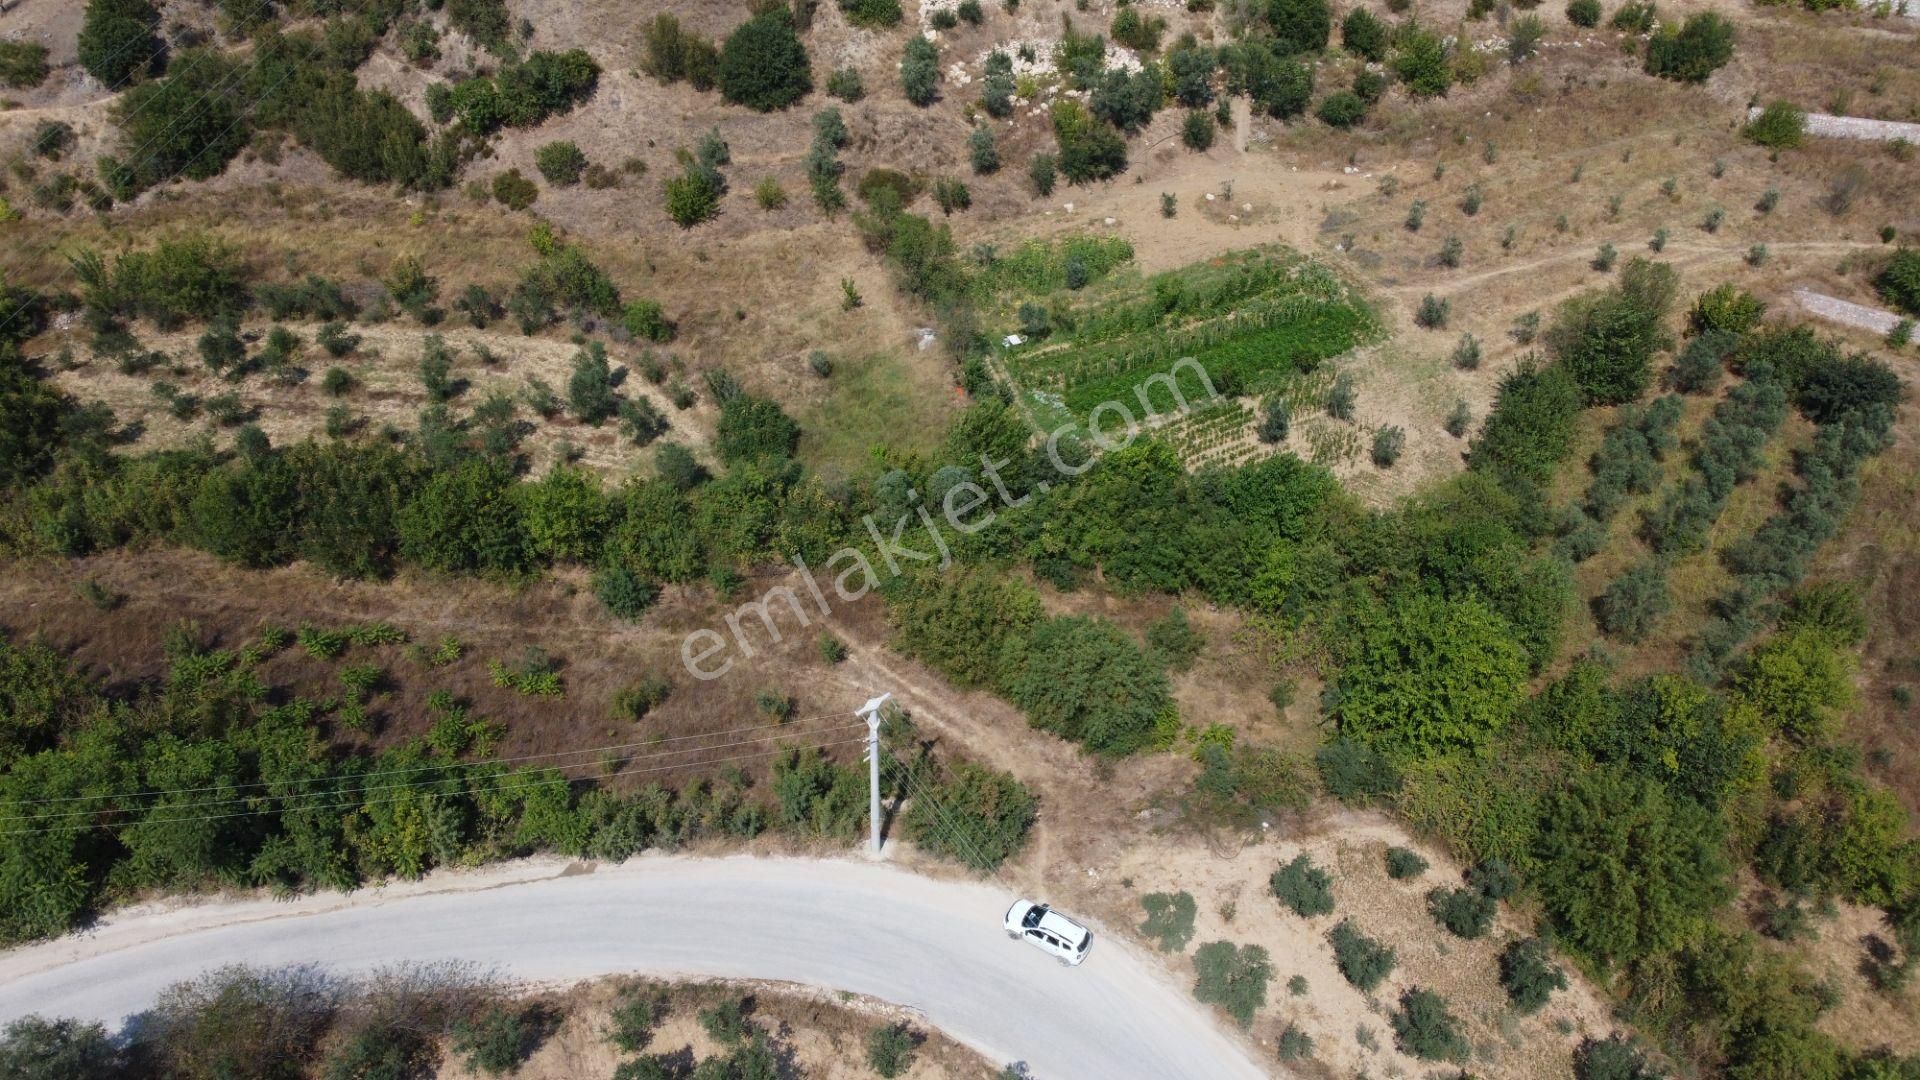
column 1061, row 926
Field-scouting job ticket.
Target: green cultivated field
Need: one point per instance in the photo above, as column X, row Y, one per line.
column 1251, row 319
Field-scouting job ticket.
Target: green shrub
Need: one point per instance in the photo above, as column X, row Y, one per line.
column 1899, row 282
column 625, row 594
column 1141, row 33
column 844, row 83
column 1089, row 148
column 1174, row 641
column 1355, row 772
column 1612, row 1058
column 1275, row 421
column 590, row 394
column 974, row 815
column 1465, row 912
column 1607, row 340
column 193, row 277
column 23, row 64
column 515, row 191
column 1085, row 680
column 1341, row 109
column 561, row 163
column 1403, row 864
column 497, row 1041
column 1420, row 674
column 1725, row 308
column 1363, row 34
column 118, row 40
column 1363, row 961
column 631, row 1019
column 725, row 1021
column 874, row 14
column 1524, row 34
column 1433, row 312
column 34, row 1048
column 1661, row 855
column 1585, row 13
column 1234, row 977
column 647, row 321
column 1424, row 1028
column 635, row 700
column 891, row 1049
column 1780, row 126
column 1694, row 51
column 1040, row 171
column 1299, row 26
column 754, row 429
column 763, row 65
column 1421, row 62
column 1303, row 887
column 1170, row 919
column 1634, row 602
column 1197, row 131
column 919, row 70
column 1530, row 976
column 1388, row 442
column 674, row 54
column 950, row 194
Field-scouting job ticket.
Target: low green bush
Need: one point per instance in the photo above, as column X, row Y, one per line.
column 1233, row 977
column 1363, row 961
column 1303, row 887
column 1169, row 920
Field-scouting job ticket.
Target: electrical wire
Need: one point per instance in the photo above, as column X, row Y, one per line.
column 352, row 780
column 355, row 804
column 382, row 774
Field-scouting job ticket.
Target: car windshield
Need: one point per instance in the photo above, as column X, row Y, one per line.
column 1034, row 915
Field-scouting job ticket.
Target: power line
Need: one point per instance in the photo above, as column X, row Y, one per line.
column 362, row 803
column 382, row 774
column 946, row 821
column 350, row 780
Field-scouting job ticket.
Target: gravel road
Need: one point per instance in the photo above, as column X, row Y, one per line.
column 1854, row 127
column 1845, row 312
column 870, row 929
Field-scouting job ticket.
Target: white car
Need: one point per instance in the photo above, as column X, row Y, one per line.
column 1049, row 931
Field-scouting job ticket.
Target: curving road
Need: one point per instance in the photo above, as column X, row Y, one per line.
column 870, row 929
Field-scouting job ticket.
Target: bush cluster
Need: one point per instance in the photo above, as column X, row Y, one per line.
column 763, row 65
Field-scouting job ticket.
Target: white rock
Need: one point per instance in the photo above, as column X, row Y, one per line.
column 1069, row 208
column 1013, row 339
column 1109, row 221
column 1209, row 196
column 1246, row 208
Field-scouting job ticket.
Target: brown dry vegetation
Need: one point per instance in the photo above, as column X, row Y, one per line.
column 817, row 1033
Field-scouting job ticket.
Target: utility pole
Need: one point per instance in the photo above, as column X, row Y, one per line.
column 870, row 712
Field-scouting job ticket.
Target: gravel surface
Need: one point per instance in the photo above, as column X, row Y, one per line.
column 1845, row 312
column 934, row 946
column 1854, row 127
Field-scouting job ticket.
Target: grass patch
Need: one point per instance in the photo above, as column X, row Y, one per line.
column 873, row 401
